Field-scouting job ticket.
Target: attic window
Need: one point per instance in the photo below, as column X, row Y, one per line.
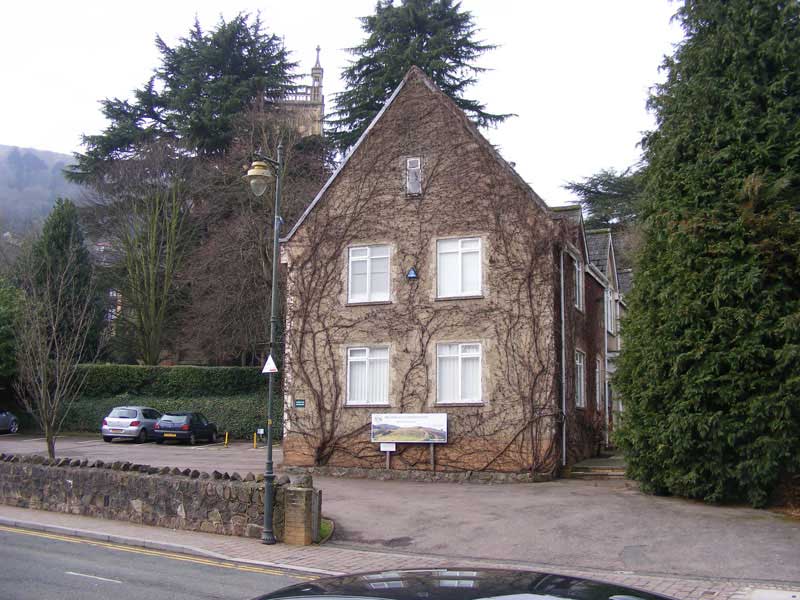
column 414, row 176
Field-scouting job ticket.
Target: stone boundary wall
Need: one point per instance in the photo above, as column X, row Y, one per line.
column 487, row 477
column 185, row 499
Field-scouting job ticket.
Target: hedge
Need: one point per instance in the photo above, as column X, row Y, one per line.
column 170, row 382
column 240, row 415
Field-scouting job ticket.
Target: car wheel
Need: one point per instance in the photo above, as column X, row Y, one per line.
column 192, row 439
column 213, row 437
column 13, row 427
column 107, row 438
column 142, row 437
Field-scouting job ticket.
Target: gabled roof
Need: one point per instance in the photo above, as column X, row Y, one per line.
column 597, row 246
column 417, row 73
column 572, row 212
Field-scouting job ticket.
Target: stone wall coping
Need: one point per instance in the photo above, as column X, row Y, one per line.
column 484, row 477
column 296, row 480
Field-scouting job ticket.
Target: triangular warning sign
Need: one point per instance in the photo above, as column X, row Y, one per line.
column 269, row 366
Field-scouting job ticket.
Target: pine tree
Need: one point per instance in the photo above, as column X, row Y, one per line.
column 201, row 86
column 608, row 198
column 60, row 265
column 710, row 370
column 435, row 35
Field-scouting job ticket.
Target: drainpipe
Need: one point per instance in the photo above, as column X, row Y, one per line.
column 563, row 374
column 605, row 359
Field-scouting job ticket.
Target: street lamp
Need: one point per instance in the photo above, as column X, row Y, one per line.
column 259, row 177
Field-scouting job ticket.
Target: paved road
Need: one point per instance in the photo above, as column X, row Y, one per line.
column 43, row 566
column 238, row 456
column 590, row 524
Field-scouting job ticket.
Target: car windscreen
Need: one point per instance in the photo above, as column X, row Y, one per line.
column 175, row 418
column 123, row 413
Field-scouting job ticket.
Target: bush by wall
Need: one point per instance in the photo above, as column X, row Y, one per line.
column 103, row 381
column 240, row 415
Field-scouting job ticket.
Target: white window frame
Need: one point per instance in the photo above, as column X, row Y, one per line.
column 598, row 385
column 368, row 360
column 461, row 356
column 579, row 284
column 580, row 379
column 369, row 257
column 610, row 316
column 409, row 169
column 461, row 293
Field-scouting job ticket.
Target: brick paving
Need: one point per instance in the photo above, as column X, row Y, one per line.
column 331, row 559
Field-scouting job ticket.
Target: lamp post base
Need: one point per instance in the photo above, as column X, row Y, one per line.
column 269, row 539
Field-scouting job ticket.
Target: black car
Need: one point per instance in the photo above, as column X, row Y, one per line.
column 185, row 426
column 8, row 422
column 459, row 584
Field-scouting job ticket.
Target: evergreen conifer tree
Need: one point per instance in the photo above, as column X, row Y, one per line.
column 202, row 84
column 60, row 264
column 710, row 369
column 435, row 35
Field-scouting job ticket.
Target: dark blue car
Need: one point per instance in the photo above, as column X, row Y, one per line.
column 189, row 427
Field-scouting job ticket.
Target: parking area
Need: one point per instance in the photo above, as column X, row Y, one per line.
column 238, row 457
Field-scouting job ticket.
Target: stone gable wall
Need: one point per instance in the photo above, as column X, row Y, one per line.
column 185, row 499
column 467, row 192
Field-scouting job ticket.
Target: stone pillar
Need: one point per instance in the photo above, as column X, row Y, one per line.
column 298, row 523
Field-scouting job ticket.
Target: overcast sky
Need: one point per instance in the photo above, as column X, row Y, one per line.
column 576, row 73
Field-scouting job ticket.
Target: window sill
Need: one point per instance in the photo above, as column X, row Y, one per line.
column 458, row 404
column 371, row 303
column 367, row 405
column 472, row 297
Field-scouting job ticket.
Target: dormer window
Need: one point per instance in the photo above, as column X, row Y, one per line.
column 414, row 176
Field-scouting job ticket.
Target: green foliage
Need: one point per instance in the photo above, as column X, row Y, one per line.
column 202, row 84
column 239, row 414
column 434, row 35
column 61, row 268
column 170, row 382
column 9, row 299
column 710, row 370
column 609, row 199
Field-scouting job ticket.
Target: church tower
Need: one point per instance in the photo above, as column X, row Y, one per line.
column 307, row 103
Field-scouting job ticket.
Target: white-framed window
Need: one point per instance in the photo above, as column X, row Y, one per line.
column 598, row 386
column 414, row 176
column 580, row 379
column 368, row 274
column 458, row 267
column 578, row 284
column 368, row 375
column 458, row 368
column 611, row 313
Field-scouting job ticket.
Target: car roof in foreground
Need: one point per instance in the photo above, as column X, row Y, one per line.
column 460, row 584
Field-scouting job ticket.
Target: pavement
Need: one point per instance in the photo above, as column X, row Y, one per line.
column 597, row 529
column 328, row 559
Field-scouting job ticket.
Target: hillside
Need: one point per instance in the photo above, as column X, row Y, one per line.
column 30, row 182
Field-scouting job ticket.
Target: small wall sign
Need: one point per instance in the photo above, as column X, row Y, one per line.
column 299, row 403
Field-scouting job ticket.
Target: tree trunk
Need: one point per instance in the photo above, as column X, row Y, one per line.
column 51, row 442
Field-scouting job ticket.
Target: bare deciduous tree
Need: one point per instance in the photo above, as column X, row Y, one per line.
column 48, row 353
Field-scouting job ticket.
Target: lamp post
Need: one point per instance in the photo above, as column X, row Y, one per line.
column 259, row 176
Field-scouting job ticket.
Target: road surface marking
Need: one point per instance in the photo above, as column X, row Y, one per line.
column 161, row 553
column 35, row 440
column 87, row 442
column 91, row 577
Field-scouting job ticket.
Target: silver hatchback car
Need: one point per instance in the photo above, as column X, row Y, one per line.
column 133, row 422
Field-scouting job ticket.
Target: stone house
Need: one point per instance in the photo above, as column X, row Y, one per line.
column 428, row 277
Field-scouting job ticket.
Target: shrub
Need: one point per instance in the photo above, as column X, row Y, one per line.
column 240, row 415
column 170, row 382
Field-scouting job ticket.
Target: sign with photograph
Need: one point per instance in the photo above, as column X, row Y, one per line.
column 410, row 428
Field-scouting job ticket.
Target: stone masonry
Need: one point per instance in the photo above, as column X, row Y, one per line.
column 221, row 503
